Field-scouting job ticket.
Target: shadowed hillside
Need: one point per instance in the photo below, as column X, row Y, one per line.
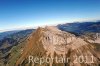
column 79, row 28
column 11, row 41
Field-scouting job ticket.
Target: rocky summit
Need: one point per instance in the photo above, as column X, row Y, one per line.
column 50, row 42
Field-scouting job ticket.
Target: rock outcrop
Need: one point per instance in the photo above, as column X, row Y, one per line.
column 52, row 42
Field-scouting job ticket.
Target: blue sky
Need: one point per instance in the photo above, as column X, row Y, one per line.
column 16, row 14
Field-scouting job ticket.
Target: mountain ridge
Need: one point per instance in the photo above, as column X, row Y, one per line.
column 44, row 42
column 51, row 41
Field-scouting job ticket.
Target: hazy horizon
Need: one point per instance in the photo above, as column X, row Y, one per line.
column 35, row 27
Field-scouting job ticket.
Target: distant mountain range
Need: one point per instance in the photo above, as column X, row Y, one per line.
column 80, row 27
column 4, row 34
column 75, row 27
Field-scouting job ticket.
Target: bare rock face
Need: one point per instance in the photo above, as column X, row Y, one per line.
column 93, row 37
column 97, row 38
column 54, row 43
